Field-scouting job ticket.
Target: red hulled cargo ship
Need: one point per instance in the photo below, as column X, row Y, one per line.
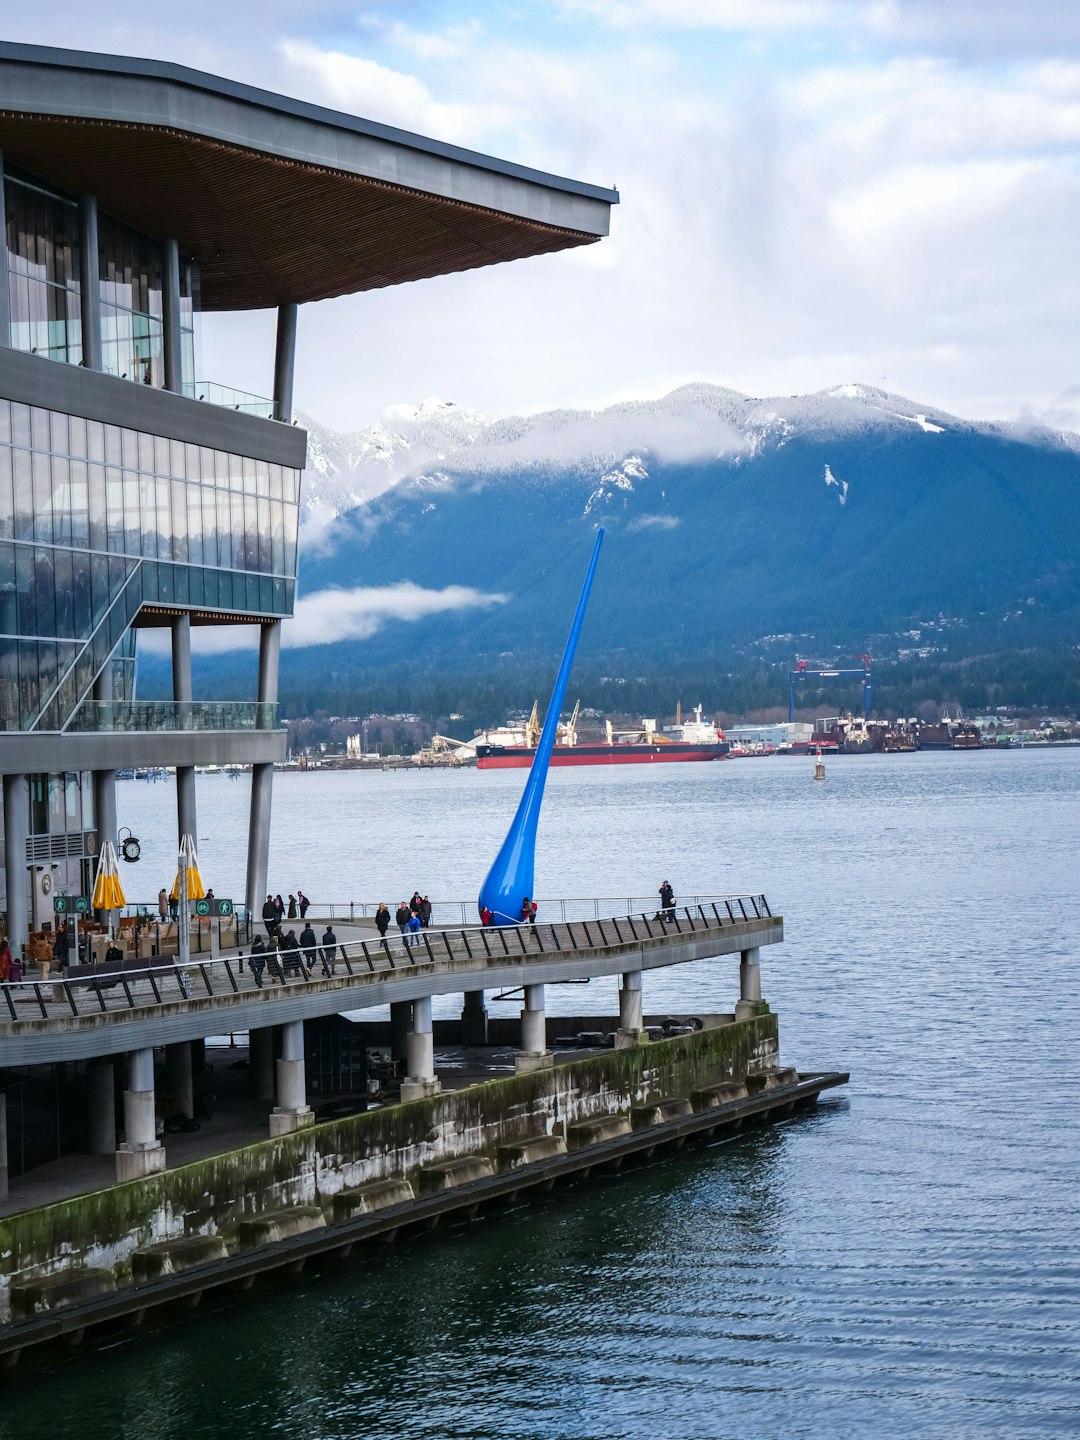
column 696, row 740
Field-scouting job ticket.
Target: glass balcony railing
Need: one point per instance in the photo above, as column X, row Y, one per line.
column 171, row 715
column 228, row 398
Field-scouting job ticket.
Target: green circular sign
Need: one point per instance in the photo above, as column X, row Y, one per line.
column 82, row 905
column 224, row 907
column 60, row 904
column 202, row 907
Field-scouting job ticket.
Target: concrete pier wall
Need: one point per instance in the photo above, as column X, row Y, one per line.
column 309, row 1167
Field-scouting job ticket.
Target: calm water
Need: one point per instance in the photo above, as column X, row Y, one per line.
column 903, row 1261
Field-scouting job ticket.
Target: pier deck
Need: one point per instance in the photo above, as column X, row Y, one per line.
column 88, row 1017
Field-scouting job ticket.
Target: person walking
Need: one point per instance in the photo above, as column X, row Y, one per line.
column 162, row 902
column 304, row 904
column 310, row 947
column 425, row 912
column 401, row 915
column 412, row 930
column 279, row 906
column 292, row 908
column 329, row 951
column 62, row 948
column 414, row 903
column 257, row 959
column 382, row 918
column 667, row 901
column 5, row 962
column 291, row 958
column 174, row 908
column 270, row 918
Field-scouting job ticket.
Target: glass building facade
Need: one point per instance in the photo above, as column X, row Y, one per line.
column 97, row 521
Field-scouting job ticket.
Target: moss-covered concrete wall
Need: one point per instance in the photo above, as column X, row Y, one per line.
column 308, row 1167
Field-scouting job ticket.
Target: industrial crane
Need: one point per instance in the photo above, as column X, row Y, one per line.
column 803, row 671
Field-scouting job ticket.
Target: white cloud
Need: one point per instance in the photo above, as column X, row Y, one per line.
column 445, row 44
column 330, row 615
column 654, row 522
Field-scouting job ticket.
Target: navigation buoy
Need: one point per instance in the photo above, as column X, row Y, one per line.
column 819, row 767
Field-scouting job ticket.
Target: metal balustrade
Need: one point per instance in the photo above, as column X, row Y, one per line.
column 129, row 985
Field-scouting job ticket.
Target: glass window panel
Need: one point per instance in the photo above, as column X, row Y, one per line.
column 176, row 464
column 58, row 432
column 129, row 444
column 43, row 501
column 64, row 583
column 95, row 475
column 95, row 441
column 78, row 503
column 20, row 424
column 210, row 526
column 39, row 428
column 7, row 495
column 146, row 453
column 192, row 499
column 133, row 520
column 114, row 491
column 23, row 487
column 191, row 457
column 179, row 521
column 147, row 514
column 77, row 436
column 59, row 466
column 277, row 523
column 265, row 535
column 161, row 455
column 5, row 422
column 82, row 597
column 43, row 593
column 112, row 445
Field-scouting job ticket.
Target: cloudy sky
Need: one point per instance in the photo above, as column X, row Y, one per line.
column 813, row 191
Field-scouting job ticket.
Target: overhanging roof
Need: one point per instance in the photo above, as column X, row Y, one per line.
column 278, row 200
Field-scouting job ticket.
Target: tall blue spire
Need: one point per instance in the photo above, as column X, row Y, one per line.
column 510, row 880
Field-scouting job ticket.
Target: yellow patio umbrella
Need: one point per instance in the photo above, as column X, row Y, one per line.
column 108, row 892
column 196, row 890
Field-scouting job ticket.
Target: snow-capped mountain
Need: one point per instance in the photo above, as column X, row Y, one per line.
column 694, row 423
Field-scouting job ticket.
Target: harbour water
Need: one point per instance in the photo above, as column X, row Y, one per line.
column 901, row 1261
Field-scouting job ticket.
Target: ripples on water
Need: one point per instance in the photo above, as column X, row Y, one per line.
column 902, row 1261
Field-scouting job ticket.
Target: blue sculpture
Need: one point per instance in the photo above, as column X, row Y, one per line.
column 510, row 880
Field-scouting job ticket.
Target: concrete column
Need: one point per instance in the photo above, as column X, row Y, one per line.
column 534, row 1054
column 261, row 1063
column 16, row 829
column 262, row 776
column 421, row 1080
column 284, row 363
column 101, row 1108
column 292, row 1111
column 749, row 985
column 474, row 1019
column 178, row 1081
column 3, row 1144
column 185, row 774
column 89, row 282
column 400, row 1026
column 140, row 1154
column 630, row 1031
column 5, row 304
column 170, row 315
column 104, row 780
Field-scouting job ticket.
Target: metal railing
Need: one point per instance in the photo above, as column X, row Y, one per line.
column 464, row 912
column 158, row 715
column 131, row 985
column 229, row 398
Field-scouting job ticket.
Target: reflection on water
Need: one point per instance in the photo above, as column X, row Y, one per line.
column 900, row 1261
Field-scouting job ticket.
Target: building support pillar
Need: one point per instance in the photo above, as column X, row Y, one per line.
column 178, row 1079
column 284, row 363
column 5, row 305
column 292, row 1111
column 170, row 316
column 141, row 1153
column 101, row 1108
column 749, row 985
column 16, row 830
column 261, row 1063
column 89, row 282
column 630, row 1031
column 185, row 774
column 400, row 1026
column 534, row 1054
column 474, row 1019
column 3, row 1146
column 262, row 776
column 421, row 1081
